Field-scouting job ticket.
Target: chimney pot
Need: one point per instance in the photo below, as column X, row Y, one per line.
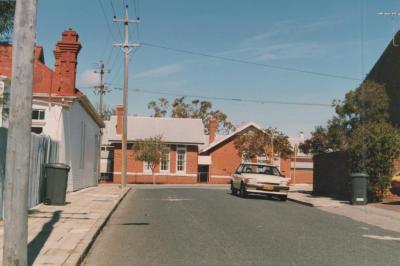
column 66, row 54
column 212, row 127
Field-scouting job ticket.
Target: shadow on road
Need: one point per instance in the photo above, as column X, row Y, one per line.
column 38, row 242
column 135, row 224
column 257, row 197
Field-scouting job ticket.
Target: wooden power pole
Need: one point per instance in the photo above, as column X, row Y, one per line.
column 101, row 88
column 126, row 48
column 19, row 136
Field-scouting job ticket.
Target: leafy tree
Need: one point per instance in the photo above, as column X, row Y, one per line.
column 160, row 108
column 194, row 109
column 281, row 142
column 151, row 150
column 362, row 128
column 255, row 143
column 108, row 112
column 252, row 143
column 368, row 103
column 7, row 10
column 318, row 143
column 373, row 148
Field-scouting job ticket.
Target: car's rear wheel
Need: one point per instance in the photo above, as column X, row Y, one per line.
column 233, row 189
column 283, row 198
column 242, row 191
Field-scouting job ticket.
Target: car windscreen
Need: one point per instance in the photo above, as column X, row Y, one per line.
column 259, row 169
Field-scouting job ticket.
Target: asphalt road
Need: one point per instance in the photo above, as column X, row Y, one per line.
column 205, row 226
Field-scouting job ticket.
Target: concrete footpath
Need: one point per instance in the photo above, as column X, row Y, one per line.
column 375, row 214
column 61, row 235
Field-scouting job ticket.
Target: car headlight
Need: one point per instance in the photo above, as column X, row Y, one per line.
column 283, row 183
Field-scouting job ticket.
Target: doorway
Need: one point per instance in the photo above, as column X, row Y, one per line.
column 203, row 174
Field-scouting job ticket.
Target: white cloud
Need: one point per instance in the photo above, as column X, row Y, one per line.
column 161, row 71
column 89, row 78
column 284, row 40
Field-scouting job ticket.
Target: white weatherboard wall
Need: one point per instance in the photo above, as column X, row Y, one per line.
column 82, row 145
column 78, row 137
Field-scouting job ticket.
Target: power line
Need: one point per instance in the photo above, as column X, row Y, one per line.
column 175, row 94
column 291, row 69
column 115, row 15
column 105, row 17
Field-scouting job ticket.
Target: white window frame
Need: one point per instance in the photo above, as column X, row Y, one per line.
column 168, row 161
column 39, row 112
column 261, row 159
column 181, row 148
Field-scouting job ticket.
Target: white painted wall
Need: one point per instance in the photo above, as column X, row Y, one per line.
column 78, row 137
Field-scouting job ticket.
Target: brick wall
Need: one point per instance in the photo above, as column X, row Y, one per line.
column 224, row 161
column 135, row 168
column 60, row 81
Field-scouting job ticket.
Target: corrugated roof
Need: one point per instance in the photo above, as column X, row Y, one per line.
column 173, row 130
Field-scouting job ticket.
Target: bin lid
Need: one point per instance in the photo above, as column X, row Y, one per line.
column 359, row 175
column 58, row 165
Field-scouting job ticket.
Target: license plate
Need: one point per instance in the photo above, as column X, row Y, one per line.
column 268, row 187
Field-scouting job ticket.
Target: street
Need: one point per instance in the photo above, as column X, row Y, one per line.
column 166, row 225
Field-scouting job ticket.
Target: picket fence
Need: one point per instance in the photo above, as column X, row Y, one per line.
column 43, row 150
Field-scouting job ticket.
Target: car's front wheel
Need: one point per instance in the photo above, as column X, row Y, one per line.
column 233, row 189
column 242, row 191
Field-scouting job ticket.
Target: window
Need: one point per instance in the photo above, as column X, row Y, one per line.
column 164, row 165
column 262, row 159
column 146, row 167
column 181, row 159
column 38, row 114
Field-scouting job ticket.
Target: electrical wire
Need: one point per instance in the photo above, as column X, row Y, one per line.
column 106, row 19
column 291, row 69
column 115, row 15
column 175, row 94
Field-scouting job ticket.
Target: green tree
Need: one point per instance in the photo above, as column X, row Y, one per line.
column 203, row 110
column 373, row 148
column 251, row 144
column 255, row 143
column 281, row 142
column 7, row 10
column 318, row 143
column 362, row 128
column 160, row 108
column 151, row 151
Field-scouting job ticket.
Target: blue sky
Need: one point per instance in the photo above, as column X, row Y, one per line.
column 315, row 35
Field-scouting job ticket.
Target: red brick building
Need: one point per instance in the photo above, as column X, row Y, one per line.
column 182, row 136
column 193, row 156
column 48, row 82
column 60, row 110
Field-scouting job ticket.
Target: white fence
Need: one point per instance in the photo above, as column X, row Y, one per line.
column 43, row 150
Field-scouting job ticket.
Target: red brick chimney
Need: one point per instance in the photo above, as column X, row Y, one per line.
column 212, row 127
column 66, row 53
column 120, row 116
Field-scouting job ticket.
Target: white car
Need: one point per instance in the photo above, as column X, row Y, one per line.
column 259, row 179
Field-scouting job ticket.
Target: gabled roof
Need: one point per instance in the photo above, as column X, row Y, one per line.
column 173, row 130
column 225, row 138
